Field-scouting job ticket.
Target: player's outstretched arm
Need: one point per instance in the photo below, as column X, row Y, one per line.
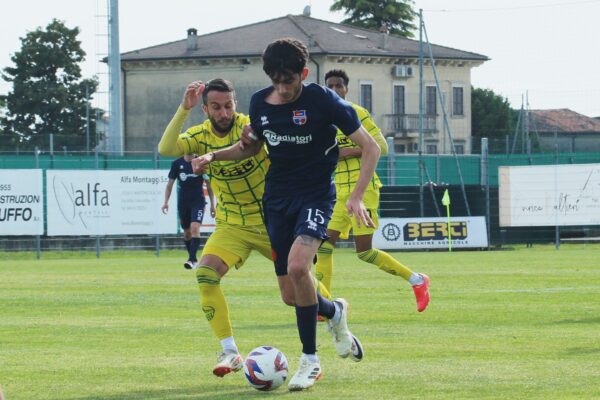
column 370, row 156
column 231, row 153
column 168, row 142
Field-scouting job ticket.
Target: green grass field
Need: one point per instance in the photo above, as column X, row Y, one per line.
column 515, row 324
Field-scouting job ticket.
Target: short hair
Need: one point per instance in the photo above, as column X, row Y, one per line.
column 338, row 73
column 219, row 85
column 283, row 56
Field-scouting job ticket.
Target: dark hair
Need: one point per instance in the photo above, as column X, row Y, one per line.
column 218, row 84
column 284, row 56
column 338, row 73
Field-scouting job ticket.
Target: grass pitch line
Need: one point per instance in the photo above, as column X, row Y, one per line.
column 534, row 290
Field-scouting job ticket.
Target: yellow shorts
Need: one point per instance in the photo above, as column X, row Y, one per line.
column 342, row 222
column 233, row 243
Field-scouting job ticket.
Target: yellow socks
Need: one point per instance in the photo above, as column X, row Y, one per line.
column 324, row 266
column 385, row 262
column 322, row 290
column 213, row 301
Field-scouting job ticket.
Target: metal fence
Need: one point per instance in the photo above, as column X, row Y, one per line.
column 413, row 187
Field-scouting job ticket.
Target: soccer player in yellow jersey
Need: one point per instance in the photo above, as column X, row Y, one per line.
column 346, row 176
column 239, row 188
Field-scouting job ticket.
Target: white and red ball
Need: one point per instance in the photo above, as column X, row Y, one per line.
column 265, row 368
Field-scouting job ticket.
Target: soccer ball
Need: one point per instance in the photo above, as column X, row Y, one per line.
column 265, row 368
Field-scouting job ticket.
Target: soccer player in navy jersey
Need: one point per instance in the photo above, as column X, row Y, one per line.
column 346, row 174
column 298, row 123
column 190, row 203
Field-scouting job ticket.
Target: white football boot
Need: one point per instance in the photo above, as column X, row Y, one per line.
column 306, row 376
column 346, row 344
column 228, row 362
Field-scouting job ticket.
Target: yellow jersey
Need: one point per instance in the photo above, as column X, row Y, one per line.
column 348, row 169
column 238, row 185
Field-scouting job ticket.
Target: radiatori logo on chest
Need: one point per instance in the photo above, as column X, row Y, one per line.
column 275, row 139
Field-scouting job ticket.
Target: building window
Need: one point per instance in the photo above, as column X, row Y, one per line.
column 459, row 148
column 366, row 96
column 400, row 148
column 431, row 149
column 430, row 101
column 398, row 100
column 457, row 101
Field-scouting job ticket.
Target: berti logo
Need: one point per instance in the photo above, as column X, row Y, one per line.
column 434, row 230
column 391, row 232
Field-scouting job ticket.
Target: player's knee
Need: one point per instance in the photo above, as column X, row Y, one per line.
column 367, row 256
column 207, row 278
column 297, row 270
column 288, row 298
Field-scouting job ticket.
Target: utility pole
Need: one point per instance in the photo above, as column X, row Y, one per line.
column 115, row 131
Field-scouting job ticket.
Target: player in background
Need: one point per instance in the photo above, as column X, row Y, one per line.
column 346, row 176
column 190, row 203
column 298, row 124
column 239, row 187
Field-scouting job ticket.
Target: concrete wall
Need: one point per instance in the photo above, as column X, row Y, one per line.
column 153, row 91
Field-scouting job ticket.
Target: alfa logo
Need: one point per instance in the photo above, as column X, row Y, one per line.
column 299, row 117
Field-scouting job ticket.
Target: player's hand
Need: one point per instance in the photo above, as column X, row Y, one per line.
column 192, row 94
column 165, row 208
column 357, row 209
column 248, row 137
column 213, row 211
column 199, row 164
column 344, row 153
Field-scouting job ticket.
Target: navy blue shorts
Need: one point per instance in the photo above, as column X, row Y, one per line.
column 189, row 213
column 288, row 218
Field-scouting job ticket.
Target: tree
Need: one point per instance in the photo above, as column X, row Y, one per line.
column 491, row 116
column 4, row 139
column 48, row 93
column 396, row 16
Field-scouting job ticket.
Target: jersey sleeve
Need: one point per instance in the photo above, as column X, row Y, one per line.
column 367, row 122
column 173, row 170
column 344, row 115
column 187, row 144
column 253, row 114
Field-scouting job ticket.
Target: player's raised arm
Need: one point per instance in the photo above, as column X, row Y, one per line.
column 370, row 156
column 168, row 142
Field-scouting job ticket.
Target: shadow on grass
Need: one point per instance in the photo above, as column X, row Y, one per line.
column 581, row 351
column 213, row 393
column 595, row 320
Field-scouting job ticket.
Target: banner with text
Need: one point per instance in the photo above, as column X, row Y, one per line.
column 430, row 233
column 549, row 195
column 108, row 202
column 21, row 202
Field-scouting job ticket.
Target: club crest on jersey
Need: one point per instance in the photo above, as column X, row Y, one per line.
column 299, row 117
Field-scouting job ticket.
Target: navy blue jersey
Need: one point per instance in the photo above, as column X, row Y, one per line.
column 190, row 184
column 300, row 137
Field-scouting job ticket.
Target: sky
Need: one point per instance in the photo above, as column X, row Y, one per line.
column 545, row 51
